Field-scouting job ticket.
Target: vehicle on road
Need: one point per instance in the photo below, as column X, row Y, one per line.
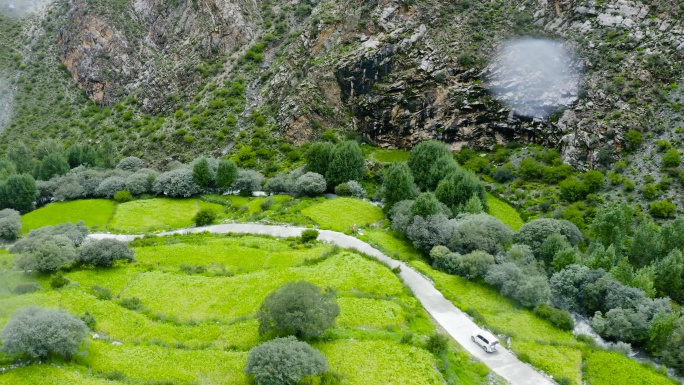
column 485, row 339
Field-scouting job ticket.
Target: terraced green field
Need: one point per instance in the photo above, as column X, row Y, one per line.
column 195, row 324
column 94, row 212
column 157, row 214
column 341, row 214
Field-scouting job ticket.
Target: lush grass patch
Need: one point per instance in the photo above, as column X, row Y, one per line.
column 94, row 212
column 391, row 244
column 341, row 214
column 52, row 375
column 147, row 215
column 608, row 368
column 381, row 362
column 368, row 312
column 557, row 360
column 505, row 212
column 389, row 156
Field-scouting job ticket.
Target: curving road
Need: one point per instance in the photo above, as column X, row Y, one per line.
column 453, row 320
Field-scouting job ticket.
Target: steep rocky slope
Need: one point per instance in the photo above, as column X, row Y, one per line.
column 395, row 71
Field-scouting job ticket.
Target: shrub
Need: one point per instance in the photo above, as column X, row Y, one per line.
column 10, row 224
column 672, row 158
column 123, row 196
column 58, row 280
column 280, row 184
column 89, row 320
column 53, row 164
column 284, row 361
column 18, row 192
column 25, row 288
column 437, row 344
column 556, row 174
column 423, row 157
column 397, row 185
column 426, row 204
column 439, row 170
column 310, row 184
column 511, row 281
column 298, row 308
column 356, row 190
column 456, row 190
column 110, row 186
column 104, row 252
column 76, row 233
column 46, row 253
column 248, row 181
column 131, row 303
column 662, row 209
column 593, row 180
column 204, row 217
column 101, row 292
column 35, row 332
column 572, row 189
column 475, row 265
column 176, row 183
column 443, row 259
column 342, row 189
column 559, row 318
column 309, row 235
column 530, row 169
column 347, row 164
column 202, row 174
column 535, row 232
column 131, row 164
column 503, row 174
column 633, row 139
column 480, row 232
column 430, row 231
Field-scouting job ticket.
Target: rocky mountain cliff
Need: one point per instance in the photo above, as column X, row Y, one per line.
column 395, row 71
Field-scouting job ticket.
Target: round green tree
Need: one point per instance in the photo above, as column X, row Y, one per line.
column 422, row 159
column 299, row 308
column 347, row 164
column 319, row 156
column 202, row 173
column 284, row 361
column 18, row 192
column 398, row 185
column 226, row 174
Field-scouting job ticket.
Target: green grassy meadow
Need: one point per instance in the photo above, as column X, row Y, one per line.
column 94, row 212
column 198, row 297
column 340, row 214
column 504, row 212
column 147, row 215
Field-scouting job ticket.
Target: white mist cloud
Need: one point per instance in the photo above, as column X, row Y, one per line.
column 21, row 8
column 534, row 76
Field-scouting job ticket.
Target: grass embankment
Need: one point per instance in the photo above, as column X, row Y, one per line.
column 505, row 212
column 94, row 212
column 195, row 319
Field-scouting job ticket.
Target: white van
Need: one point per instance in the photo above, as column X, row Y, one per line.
column 485, row 339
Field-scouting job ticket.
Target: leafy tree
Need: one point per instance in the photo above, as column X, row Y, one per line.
column 397, row 185
column 310, row 184
column 644, row 279
column 47, row 147
column 441, row 167
column 531, row 169
column 248, row 181
column 104, row 253
column 473, row 206
column 622, row 325
column 76, row 233
column 140, row 182
column 669, row 273
column 423, row 157
column 105, row 155
column 35, row 332
column 458, row 188
column 593, row 180
column 131, row 164
column 430, row 231
column 480, row 232
column 319, row 156
column 18, row 192
column 426, row 204
column 647, row 244
column 552, row 245
column 511, row 281
column 565, row 257
column 572, row 189
column 53, row 164
column 284, row 361
column 176, row 183
column 10, row 224
column 673, row 234
column 226, row 174
column 672, row 353
column 110, row 186
column 662, row 209
column 475, row 265
column 204, row 217
column 202, row 174
column 45, row 253
column 22, row 158
column 603, row 258
column 623, row 272
column 298, row 308
column 559, row 318
column 535, row 233
column 347, row 164
column 81, row 154
column 612, row 224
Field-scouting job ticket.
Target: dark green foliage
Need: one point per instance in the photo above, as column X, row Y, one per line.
column 511, row 281
column 551, row 245
column 284, row 361
column 309, row 235
column 669, row 273
column 474, row 265
column 298, row 308
column 633, row 139
column 22, row 158
column 442, row 167
column 10, row 224
column 556, row 174
column 310, row 184
column 603, row 258
column 204, row 217
column 565, row 257
column 672, row 353
column 673, row 234
column 81, row 155
column 35, row 332
column 503, row 174
column 53, row 164
column 559, row 318
column 437, row 344
column 426, row 204
column 104, row 253
column 58, row 280
column 202, row 174
column 456, row 190
column 347, row 164
column 535, row 233
column 18, row 192
column 480, row 232
column 397, row 185
column 423, row 157
column 45, row 253
column 430, row 231
column 612, row 224
column 662, row 209
column 131, row 303
column 101, row 292
column 319, row 156
column 531, row 169
column 25, row 288
column 226, row 174
column 123, row 196
column 89, row 320
column 593, row 180
column 647, row 244
column 342, row 190
column 672, row 158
